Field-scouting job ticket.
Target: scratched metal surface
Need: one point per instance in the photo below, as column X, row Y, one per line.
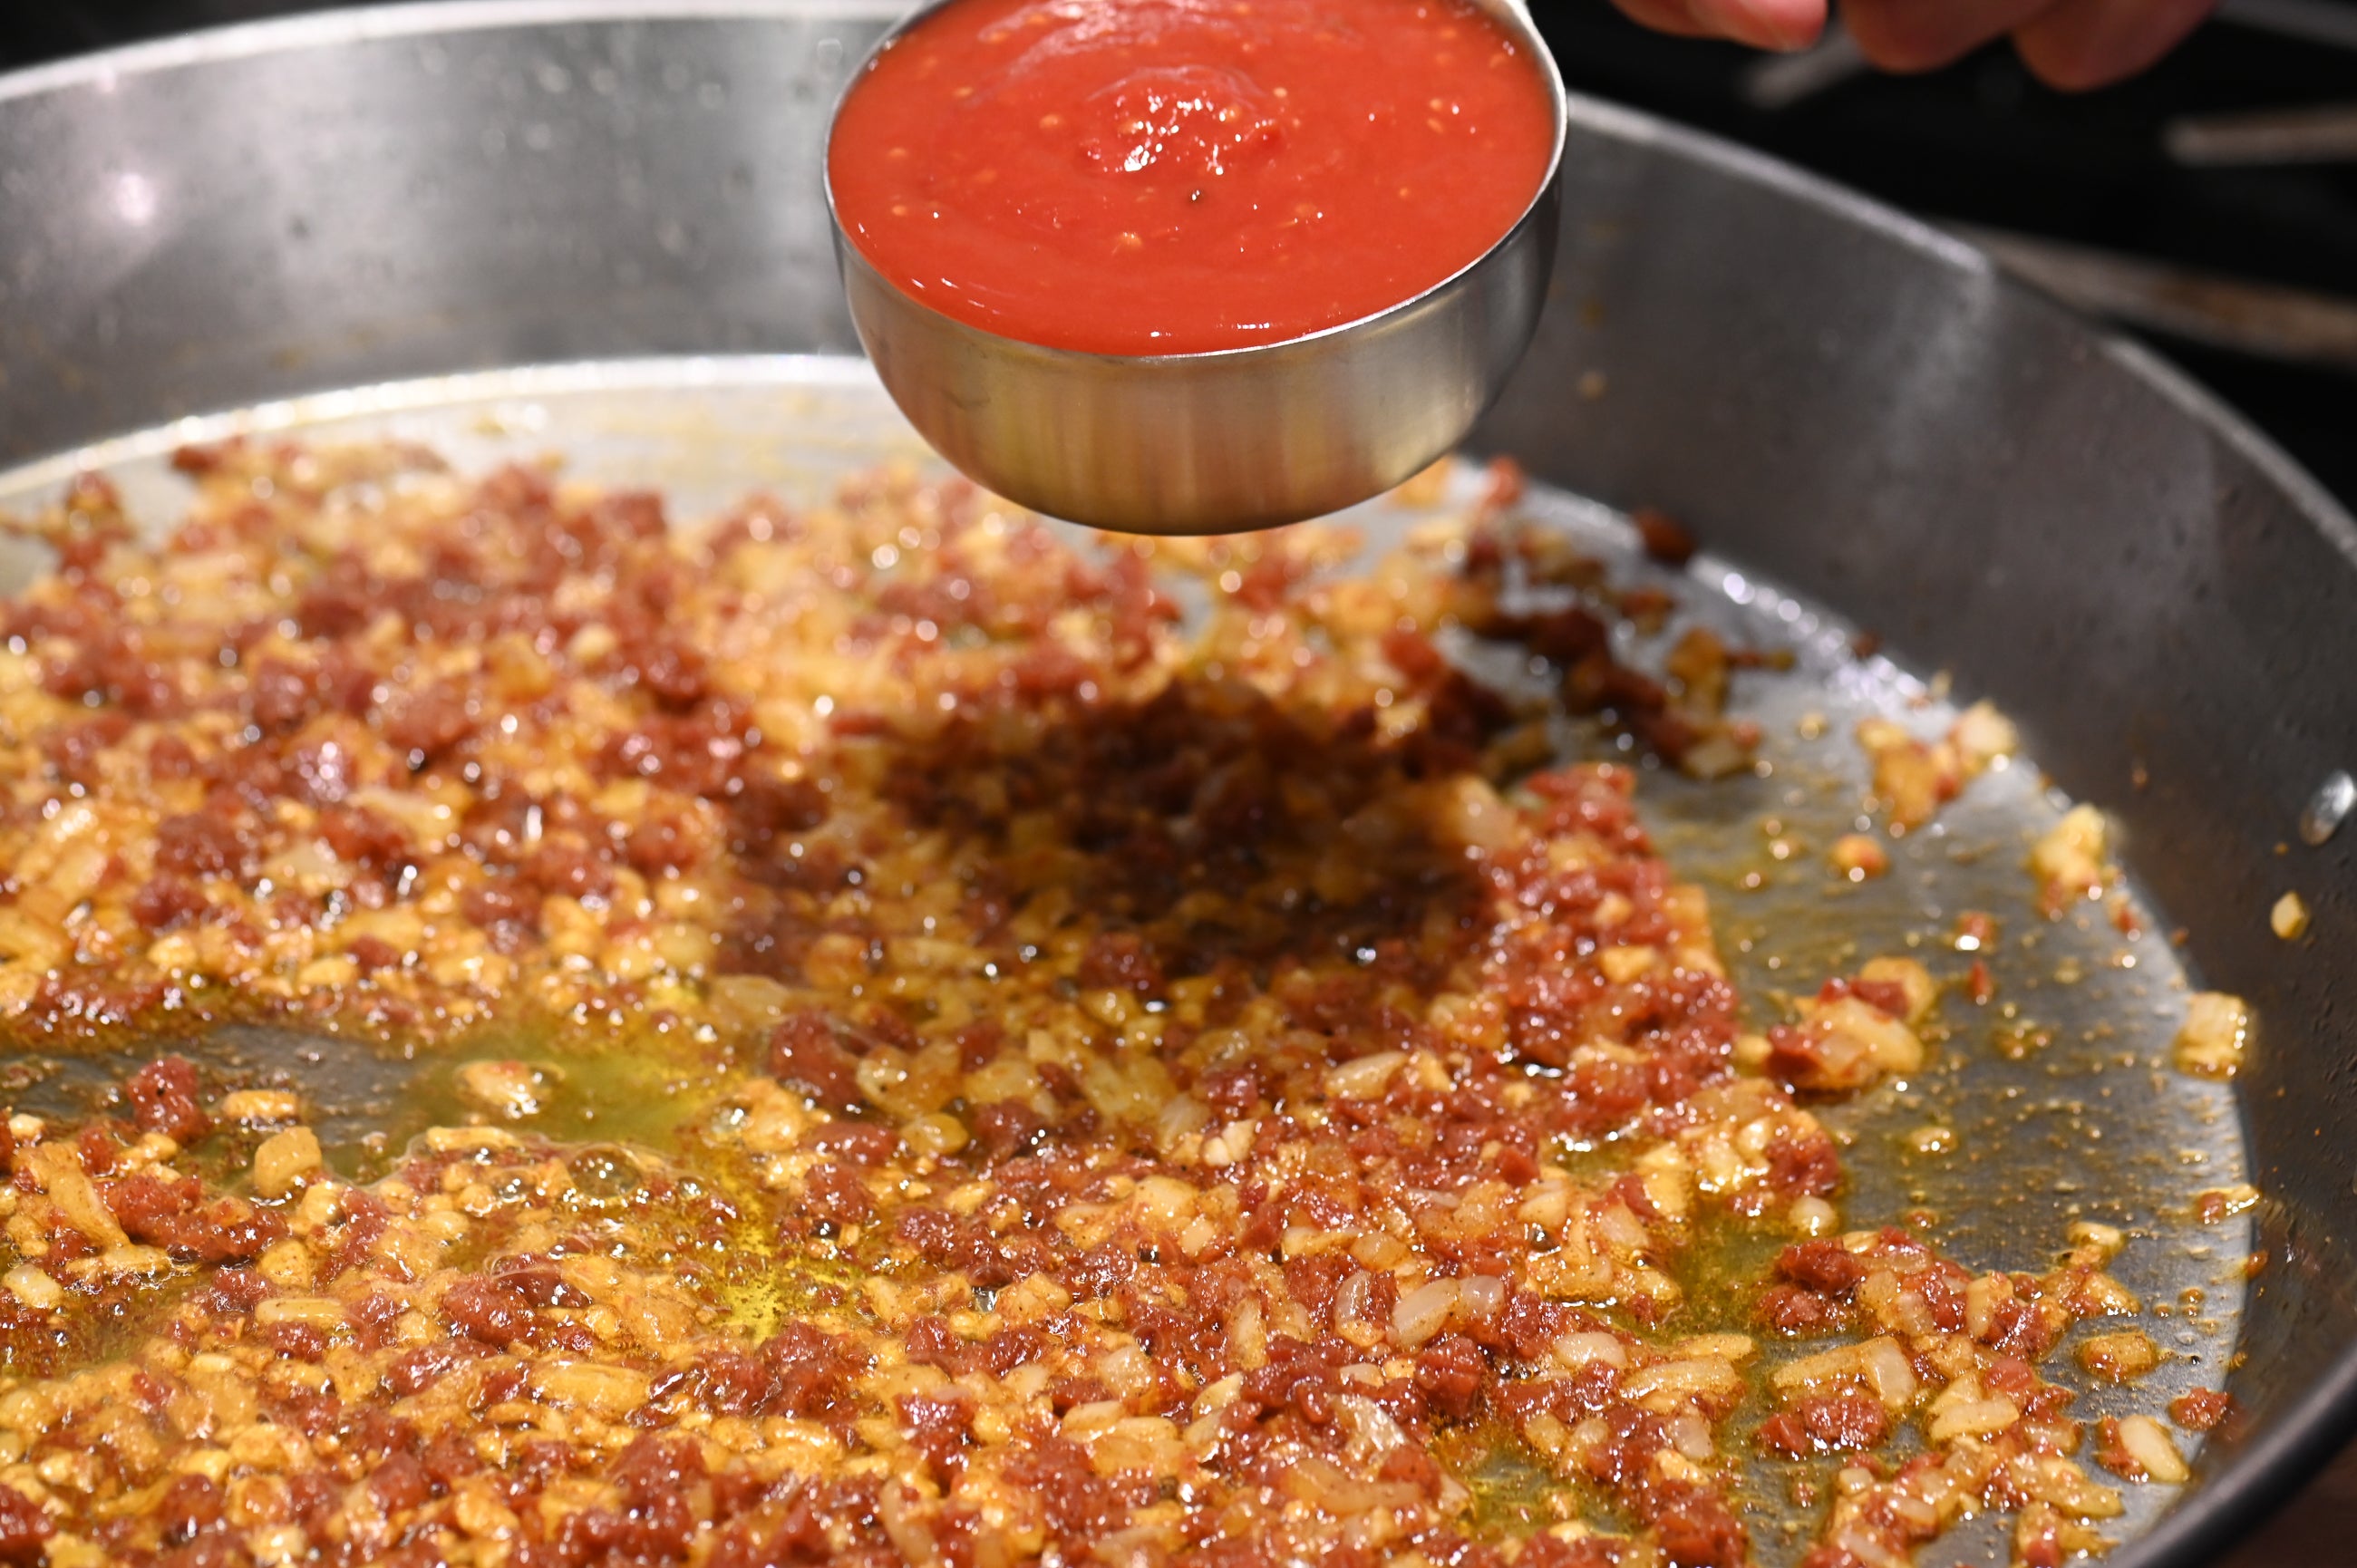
column 2092, row 1123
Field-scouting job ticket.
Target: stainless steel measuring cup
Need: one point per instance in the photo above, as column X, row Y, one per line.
column 1229, row 440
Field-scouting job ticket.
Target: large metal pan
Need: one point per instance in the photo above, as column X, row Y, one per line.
column 1847, row 405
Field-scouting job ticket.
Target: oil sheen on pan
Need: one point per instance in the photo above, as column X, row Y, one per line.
column 1173, row 177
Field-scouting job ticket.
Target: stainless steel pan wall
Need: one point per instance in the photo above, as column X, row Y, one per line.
column 1839, row 398
column 411, row 191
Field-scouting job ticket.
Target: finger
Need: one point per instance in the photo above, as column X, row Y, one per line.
column 2082, row 44
column 1665, row 16
column 1763, row 24
column 1924, row 35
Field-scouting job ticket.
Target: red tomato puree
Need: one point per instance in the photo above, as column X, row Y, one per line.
column 1170, row 177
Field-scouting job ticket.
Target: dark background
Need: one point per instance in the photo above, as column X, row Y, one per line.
column 1980, row 143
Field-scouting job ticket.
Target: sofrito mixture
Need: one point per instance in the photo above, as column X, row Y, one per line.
column 1007, row 1075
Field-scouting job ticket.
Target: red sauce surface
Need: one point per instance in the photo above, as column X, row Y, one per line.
column 1160, row 177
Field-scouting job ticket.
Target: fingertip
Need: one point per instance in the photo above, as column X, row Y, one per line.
column 1792, row 34
column 1671, row 17
column 2065, row 68
column 1796, row 24
column 1896, row 36
column 2082, row 44
column 1779, row 25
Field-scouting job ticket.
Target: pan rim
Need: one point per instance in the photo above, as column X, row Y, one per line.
column 419, row 18
column 2277, row 1460
column 413, row 18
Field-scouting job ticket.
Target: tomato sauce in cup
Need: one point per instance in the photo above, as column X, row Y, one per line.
column 1176, row 176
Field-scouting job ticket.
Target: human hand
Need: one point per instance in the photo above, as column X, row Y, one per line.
column 2070, row 44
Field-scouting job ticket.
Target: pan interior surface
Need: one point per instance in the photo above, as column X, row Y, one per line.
column 2052, row 1102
